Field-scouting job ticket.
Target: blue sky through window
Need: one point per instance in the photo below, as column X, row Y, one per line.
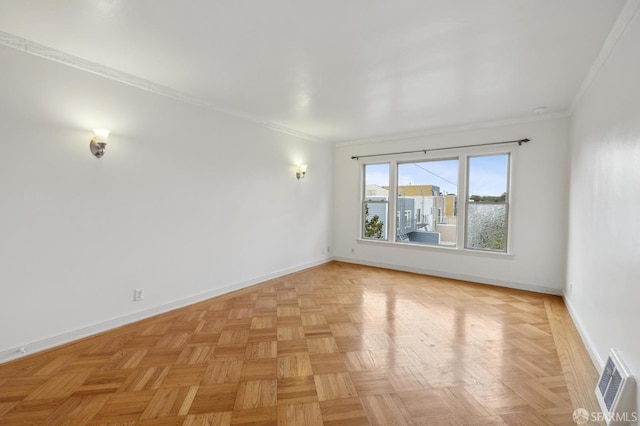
column 441, row 173
column 487, row 174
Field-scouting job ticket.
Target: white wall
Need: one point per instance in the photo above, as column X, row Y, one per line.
column 539, row 211
column 186, row 203
column 603, row 279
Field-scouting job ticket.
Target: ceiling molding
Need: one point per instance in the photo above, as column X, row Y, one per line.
column 45, row 52
column 33, row 48
column 626, row 15
column 455, row 129
column 293, row 132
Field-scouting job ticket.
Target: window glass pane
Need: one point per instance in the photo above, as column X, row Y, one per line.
column 486, row 226
column 375, row 207
column 427, row 202
column 375, row 220
column 488, row 178
column 376, row 181
column 488, row 198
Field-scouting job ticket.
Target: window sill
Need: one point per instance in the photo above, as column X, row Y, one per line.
column 439, row 249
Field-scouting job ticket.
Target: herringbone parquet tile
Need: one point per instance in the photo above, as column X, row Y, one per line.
column 338, row 344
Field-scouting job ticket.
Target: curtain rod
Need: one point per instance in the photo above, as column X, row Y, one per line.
column 519, row 142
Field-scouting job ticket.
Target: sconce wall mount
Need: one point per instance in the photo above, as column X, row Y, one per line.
column 301, row 171
column 99, row 142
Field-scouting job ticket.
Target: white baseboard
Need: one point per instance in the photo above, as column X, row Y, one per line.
column 586, row 340
column 40, row 345
column 462, row 277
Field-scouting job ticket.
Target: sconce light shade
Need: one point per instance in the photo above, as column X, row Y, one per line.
column 99, row 142
column 301, row 172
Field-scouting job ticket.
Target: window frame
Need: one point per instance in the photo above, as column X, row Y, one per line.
column 440, row 211
column 363, row 201
column 462, row 155
column 506, row 203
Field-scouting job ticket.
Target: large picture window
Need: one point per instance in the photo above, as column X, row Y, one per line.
column 460, row 201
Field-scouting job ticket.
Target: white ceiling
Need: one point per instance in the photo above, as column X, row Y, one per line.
column 338, row 70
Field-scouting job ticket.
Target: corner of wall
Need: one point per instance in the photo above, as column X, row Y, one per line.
column 598, row 362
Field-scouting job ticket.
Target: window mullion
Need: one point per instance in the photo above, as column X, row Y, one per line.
column 463, row 189
column 393, row 194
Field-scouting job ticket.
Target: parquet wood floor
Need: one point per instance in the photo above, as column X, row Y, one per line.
column 338, row 344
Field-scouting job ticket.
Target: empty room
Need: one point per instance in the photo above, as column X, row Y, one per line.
column 312, row 212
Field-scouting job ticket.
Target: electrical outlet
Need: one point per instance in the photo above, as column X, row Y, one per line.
column 138, row 294
column 328, row 249
column 353, row 250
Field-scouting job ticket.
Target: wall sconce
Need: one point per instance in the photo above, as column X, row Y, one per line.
column 301, row 172
column 99, row 142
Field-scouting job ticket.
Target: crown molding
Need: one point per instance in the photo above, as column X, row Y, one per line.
column 626, row 15
column 37, row 49
column 619, row 27
column 51, row 54
column 293, row 132
column 455, row 129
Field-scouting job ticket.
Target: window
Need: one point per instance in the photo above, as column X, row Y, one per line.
column 488, row 205
column 427, row 196
column 407, row 218
column 427, row 186
column 375, row 203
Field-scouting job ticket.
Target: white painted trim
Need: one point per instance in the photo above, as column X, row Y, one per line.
column 437, row 249
column 51, row 54
column 40, row 345
column 461, row 277
column 289, row 131
column 626, row 15
column 588, row 343
column 455, row 129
